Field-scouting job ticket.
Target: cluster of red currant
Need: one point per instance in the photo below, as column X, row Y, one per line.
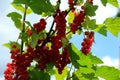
column 87, row 42
column 60, row 23
column 79, row 18
column 17, row 70
column 40, row 25
column 48, row 56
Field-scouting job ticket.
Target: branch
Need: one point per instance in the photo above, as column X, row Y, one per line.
column 23, row 27
column 51, row 29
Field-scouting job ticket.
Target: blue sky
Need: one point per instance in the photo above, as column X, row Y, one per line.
column 107, row 48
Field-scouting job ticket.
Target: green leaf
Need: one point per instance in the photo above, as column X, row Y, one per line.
column 37, row 74
column 77, row 74
column 37, row 6
column 64, row 42
column 108, row 73
column 95, row 59
column 29, row 25
column 80, row 2
column 69, row 33
column 75, row 78
column 79, row 59
column 113, row 2
column 104, row 2
column 41, row 6
column 89, row 60
column 70, row 17
column 21, row 1
column 49, row 69
column 113, row 25
column 90, row 76
column 23, row 36
column 90, row 9
column 102, row 29
column 85, row 73
column 74, row 55
column 85, row 70
column 79, row 31
column 84, row 60
column 21, row 8
column 89, row 23
column 35, row 38
column 42, row 35
column 9, row 45
column 44, row 14
column 61, row 76
column 16, row 17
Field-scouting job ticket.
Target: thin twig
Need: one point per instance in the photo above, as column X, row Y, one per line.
column 69, row 72
column 70, row 77
column 23, row 27
column 68, row 32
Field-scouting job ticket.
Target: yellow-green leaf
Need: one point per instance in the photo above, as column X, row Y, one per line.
column 20, row 8
column 102, row 29
column 108, row 73
column 70, row 17
column 113, row 2
column 113, row 25
column 37, row 6
column 9, row 44
column 61, row 76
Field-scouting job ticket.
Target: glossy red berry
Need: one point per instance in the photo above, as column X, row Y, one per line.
column 71, row 3
column 29, row 32
column 14, row 46
column 86, row 33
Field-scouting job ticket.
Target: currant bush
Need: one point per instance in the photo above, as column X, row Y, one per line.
column 43, row 47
